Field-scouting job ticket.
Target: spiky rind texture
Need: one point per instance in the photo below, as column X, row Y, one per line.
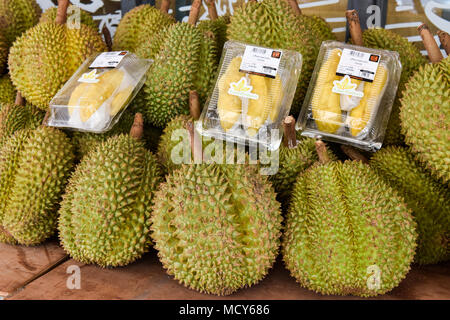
column 16, row 16
column 4, row 49
column 46, row 56
column 14, row 118
column 204, row 81
column 85, row 17
column 37, row 164
column 216, row 227
column 411, row 60
column 113, row 228
column 343, row 222
column 150, row 49
column 175, row 72
column 219, row 28
column 273, row 24
column 428, row 200
column 425, row 117
column 139, row 25
column 7, row 91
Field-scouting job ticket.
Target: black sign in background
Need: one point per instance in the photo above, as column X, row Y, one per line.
column 362, row 6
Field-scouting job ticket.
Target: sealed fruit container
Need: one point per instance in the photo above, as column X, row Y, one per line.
column 350, row 95
column 95, row 97
column 254, row 91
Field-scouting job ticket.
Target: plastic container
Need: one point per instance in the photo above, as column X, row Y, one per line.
column 350, row 96
column 95, row 97
column 254, row 91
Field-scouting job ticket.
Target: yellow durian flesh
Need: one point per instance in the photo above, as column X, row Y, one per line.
column 258, row 109
column 276, row 96
column 360, row 115
column 120, row 100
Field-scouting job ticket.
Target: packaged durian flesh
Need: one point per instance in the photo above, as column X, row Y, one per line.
column 95, row 97
column 350, row 95
column 253, row 93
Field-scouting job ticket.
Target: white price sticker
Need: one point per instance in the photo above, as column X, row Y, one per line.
column 261, row 61
column 108, row 59
column 357, row 64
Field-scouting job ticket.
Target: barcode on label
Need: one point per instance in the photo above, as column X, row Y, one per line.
column 356, row 54
column 259, row 50
column 365, row 74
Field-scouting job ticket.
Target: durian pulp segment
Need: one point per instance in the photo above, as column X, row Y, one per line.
column 275, row 95
column 326, row 106
column 120, row 100
column 373, row 91
column 229, row 107
column 258, row 109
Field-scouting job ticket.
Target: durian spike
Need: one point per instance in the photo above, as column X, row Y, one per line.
column 20, row 101
column 290, row 138
column 295, row 7
column 196, row 144
column 165, row 6
column 195, row 12
column 137, row 130
column 444, row 37
column 321, row 150
column 61, row 13
column 194, row 105
column 212, row 10
column 354, row 27
column 434, row 53
column 107, row 36
column 354, row 154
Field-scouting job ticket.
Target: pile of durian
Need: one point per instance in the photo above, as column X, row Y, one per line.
column 350, row 227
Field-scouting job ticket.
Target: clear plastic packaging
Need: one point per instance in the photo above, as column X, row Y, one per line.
column 95, row 97
column 350, row 96
column 254, row 91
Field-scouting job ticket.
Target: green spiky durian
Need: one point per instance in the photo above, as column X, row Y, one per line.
column 345, row 230
column 186, row 62
column 216, row 227
column 151, row 49
column 34, row 168
column 425, row 117
column 140, row 25
column 14, row 118
column 113, row 228
column 7, row 91
column 273, row 23
column 16, row 16
column 428, row 200
column 411, row 60
column 85, row 17
column 318, row 25
column 219, row 28
column 46, row 56
column 4, row 49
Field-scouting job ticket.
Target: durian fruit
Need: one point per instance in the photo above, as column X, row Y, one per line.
column 274, row 24
column 15, row 117
column 217, row 25
column 425, row 112
column 7, row 91
column 140, row 25
column 34, row 168
column 4, row 49
column 47, row 55
column 119, row 178
column 84, row 18
column 216, row 227
column 428, row 199
column 411, row 60
column 347, row 232
column 16, row 16
column 187, row 61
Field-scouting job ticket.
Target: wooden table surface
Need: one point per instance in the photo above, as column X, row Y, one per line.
column 146, row 279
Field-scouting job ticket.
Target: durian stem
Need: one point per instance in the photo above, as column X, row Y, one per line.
column 196, row 145
column 434, row 53
column 165, row 5
column 295, row 7
column 107, row 36
column 20, row 101
column 194, row 105
column 195, row 12
column 212, row 10
column 47, row 115
column 137, row 130
column 321, row 150
column 354, row 154
column 355, row 27
column 444, row 37
column 61, row 13
column 290, row 138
